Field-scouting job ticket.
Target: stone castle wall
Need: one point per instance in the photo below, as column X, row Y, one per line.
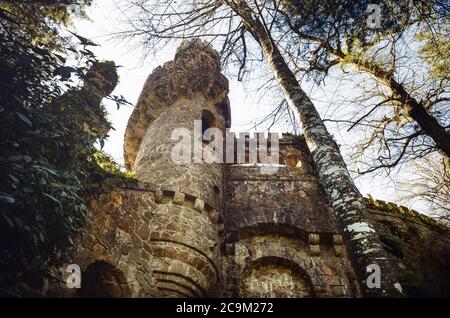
column 271, row 240
column 223, row 229
column 418, row 246
column 270, row 260
column 280, row 235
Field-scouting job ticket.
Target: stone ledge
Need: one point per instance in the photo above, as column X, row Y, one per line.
column 173, row 197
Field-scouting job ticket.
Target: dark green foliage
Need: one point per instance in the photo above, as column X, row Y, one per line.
column 47, row 161
column 41, row 19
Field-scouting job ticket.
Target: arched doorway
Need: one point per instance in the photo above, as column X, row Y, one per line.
column 103, row 280
column 274, row 277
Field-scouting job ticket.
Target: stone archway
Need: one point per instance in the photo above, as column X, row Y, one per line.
column 270, row 277
column 103, row 280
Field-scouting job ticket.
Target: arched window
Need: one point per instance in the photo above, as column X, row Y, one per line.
column 208, row 120
column 102, row 280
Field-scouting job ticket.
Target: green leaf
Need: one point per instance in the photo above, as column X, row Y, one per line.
column 15, row 158
column 41, row 237
column 11, row 224
column 35, row 241
column 42, row 168
column 24, row 118
column 7, row 198
column 53, row 198
column 13, row 178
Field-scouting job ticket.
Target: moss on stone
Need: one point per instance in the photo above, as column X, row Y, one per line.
column 414, row 230
column 393, row 244
column 107, row 174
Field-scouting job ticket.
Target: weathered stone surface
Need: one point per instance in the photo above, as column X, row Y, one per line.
column 116, row 197
column 199, row 205
column 419, row 248
column 314, row 239
column 261, row 264
column 158, row 196
column 337, row 239
column 178, row 198
column 194, row 72
column 275, row 281
column 229, row 230
column 291, row 196
column 314, row 250
column 338, row 250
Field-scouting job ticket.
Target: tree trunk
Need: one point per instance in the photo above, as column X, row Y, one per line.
column 429, row 125
column 362, row 241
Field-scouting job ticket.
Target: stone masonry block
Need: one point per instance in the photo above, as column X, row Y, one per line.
column 199, row 205
column 178, row 198
column 338, row 290
column 337, row 239
column 213, row 216
column 313, row 238
column 338, row 250
column 158, row 196
column 117, row 197
column 229, row 249
column 314, row 249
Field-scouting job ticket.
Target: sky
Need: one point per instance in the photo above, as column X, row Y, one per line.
column 247, row 107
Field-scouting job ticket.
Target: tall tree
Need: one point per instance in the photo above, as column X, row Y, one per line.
column 403, row 85
column 217, row 21
column 337, row 33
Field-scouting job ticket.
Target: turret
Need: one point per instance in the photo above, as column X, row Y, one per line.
column 183, row 240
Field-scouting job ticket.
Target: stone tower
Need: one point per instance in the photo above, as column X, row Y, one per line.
column 184, row 237
column 197, row 229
